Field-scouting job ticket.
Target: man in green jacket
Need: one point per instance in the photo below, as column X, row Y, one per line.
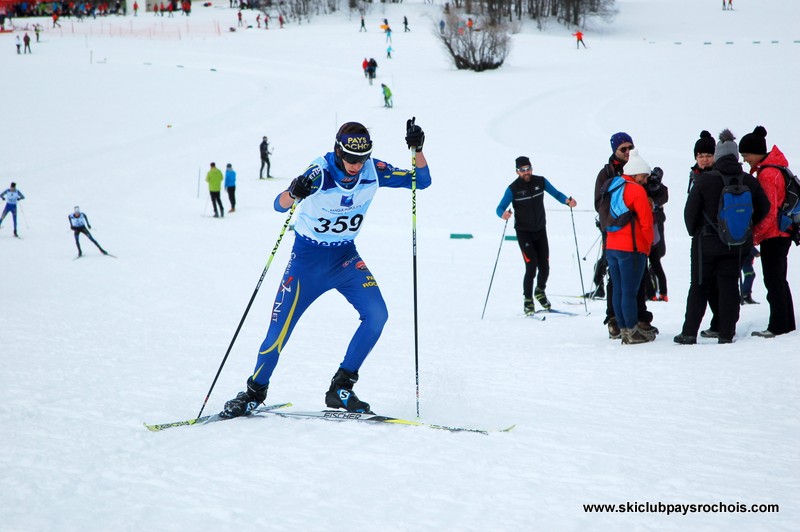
column 214, row 180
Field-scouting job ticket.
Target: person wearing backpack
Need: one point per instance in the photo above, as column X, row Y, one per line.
column 715, row 264
column 774, row 243
column 621, row 145
column 526, row 194
column 628, row 243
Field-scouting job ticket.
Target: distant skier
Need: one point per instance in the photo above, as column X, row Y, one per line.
column 405, row 24
column 333, row 195
column 230, row 186
column 263, row 148
column 389, row 52
column 387, row 96
column 526, row 194
column 11, row 196
column 579, row 39
column 79, row 223
column 214, row 180
column 363, row 27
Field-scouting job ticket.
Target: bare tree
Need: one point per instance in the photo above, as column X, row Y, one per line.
column 482, row 47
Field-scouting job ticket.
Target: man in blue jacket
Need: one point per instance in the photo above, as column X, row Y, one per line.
column 11, row 196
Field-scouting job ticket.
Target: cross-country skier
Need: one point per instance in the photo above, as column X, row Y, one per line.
column 79, row 223
column 333, row 195
column 11, row 196
column 526, row 194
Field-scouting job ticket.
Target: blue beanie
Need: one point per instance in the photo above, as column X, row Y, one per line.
column 619, row 138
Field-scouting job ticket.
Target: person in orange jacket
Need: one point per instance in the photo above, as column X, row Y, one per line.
column 628, row 246
column 579, row 39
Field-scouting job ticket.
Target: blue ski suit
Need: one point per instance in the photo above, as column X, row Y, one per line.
column 324, row 257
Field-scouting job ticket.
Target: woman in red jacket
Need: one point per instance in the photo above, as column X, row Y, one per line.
column 627, row 249
column 775, row 244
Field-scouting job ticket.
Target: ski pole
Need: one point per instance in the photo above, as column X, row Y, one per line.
column 596, row 240
column 24, row 218
column 249, row 304
column 503, row 237
column 578, row 254
column 409, row 125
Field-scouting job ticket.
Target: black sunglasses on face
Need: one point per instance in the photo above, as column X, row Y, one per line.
column 625, row 149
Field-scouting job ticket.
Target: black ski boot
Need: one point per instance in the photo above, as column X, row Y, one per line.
column 527, row 306
column 538, row 293
column 341, row 395
column 245, row 401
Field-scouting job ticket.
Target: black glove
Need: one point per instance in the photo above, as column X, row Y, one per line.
column 415, row 137
column 300, row 187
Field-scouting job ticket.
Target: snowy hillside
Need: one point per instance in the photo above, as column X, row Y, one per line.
column 122, row 117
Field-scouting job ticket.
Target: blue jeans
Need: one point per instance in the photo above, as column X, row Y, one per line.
column 626, row 269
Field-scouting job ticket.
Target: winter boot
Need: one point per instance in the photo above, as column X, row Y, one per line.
column 684, row 339
column 748, row 300
column 648, row 329
column 614, row 331
column 763, row 334
column 538, row 293
column 636, row 336
column 341, row 394
column 528, row 306
column 245, row 401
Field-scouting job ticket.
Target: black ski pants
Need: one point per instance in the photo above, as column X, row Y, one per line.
column 86, row 232
column 232, row 196
column 215, row 200
column 774, row 264
column 714, row 281
column 536, row 254
column 264, row 161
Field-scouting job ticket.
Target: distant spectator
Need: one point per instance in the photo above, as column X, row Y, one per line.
column 363, row 27
column 405, row 24
column 27, row 40
column 263, row 148
column 19, row 45
column 230, row 186
column 214, row 180
column 387, row 96
column 136, row 9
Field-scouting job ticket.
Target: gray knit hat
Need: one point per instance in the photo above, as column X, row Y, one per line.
column 726, row 146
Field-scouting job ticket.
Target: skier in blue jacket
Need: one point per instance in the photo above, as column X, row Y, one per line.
column 11, row 196
column 526, row 193
column 230, row 186
column 333, row 196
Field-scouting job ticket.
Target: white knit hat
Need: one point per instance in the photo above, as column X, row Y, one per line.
column 636, row 165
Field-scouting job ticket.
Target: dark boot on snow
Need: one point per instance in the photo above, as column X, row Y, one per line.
column 245, row 401
column 341, row 395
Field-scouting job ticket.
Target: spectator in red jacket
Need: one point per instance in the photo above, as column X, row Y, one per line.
column 775, row 244
column 627, row 250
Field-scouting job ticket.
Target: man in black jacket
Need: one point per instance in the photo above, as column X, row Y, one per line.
column 526, row 194
column 712, row 259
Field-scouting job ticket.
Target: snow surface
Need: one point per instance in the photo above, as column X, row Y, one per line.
column 122, row 116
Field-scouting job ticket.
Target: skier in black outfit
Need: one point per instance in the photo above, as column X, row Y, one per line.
column 712, row 258
column 265, row 153
column 526, row 193
column 621, row 144
column 79, row 223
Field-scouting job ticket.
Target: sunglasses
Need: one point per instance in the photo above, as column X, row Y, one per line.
column 625, row 149
column 524, row 169
column 352, row 157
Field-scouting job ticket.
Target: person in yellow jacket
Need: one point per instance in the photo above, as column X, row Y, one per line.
column 214, row 180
